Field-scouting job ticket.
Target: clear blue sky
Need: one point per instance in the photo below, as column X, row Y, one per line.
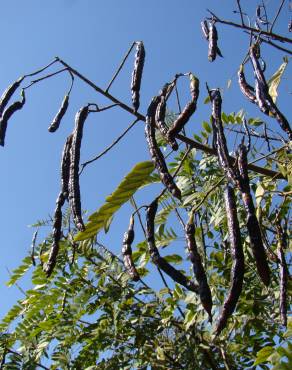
column 92, row 36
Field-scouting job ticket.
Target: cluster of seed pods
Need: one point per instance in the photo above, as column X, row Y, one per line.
column 260, row 93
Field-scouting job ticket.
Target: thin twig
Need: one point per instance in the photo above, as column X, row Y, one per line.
column 240, row 12
column 20, row 355
column 269, row 42
column 120, row 67
column 255, row 30
column 41, row 70
column 253, row 133
column 207, row 194
column 107, row 149
column 277, row 15
column 97, row 110
column 45, row 77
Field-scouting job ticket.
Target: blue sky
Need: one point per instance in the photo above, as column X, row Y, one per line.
column 92, row 36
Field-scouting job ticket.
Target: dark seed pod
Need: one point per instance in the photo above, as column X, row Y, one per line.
column 159, row 261
column 245, row 88
column 127, row 251
column 237, row 255
column 205, row 29
column 284, row 273
column 160, row 122
column 199, row 271
column 290, row 26
column 8, row 94
column 182, row 119
column 74, row 189
column 264, row 100
column 219, row 140
column 57, row 120
column 213, row 47
column 253, row 226
column 137, row 74
column 65, row 166
column 57, row 233
column 156, row 155
column 7, row 115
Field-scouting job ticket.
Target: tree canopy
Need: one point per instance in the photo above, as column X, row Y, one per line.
column 219, row 191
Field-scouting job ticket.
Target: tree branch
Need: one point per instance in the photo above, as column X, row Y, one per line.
column 254, row 30
column 192, row 143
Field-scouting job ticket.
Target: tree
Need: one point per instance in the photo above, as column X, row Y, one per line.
column 89, row 308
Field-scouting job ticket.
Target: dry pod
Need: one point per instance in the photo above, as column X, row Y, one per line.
column 156, row 155
column 57, row 232
column 58, row 118
column 199, row 271
column 9, row 111
column 74, row 188
column 219, row 140
column 188, row 111
column 264, row 100
column 7, row 94
column 245, row 88
column 127, row 251
column 65, row 166
column 253, row 226
column 205, row 29
column 213, row 50
column 137, row 74
column 161, row 125
column 237, row 271
column 284, row 273
column 159, row 261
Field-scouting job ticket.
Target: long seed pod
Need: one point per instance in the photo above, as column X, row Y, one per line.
column 182, row 119
column 57, row 232
column 156, row 155
column 7, row 114
column 237, row 271
column 213, row 47
column 161, row 125
column 245, row 88
column 205, row 29
column 264, row 100
column 284, row 273
column 219, row 140
column 127, row 251
column 7, row 94
column 137, row 74
column 199, row 271
column 253, row 226
column 159, row 261
column 58, row 118
column 65, row 166
column 74, row 189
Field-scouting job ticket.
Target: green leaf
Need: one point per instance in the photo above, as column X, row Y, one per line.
column 263, row 355
column 275, row 80
column 173, row 258
column 207, row 127
column 136, row 178
column 207, row 100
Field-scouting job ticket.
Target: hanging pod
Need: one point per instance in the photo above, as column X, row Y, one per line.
column 237, row 270
column 74, row 188
column 137, row 74
column 8, row 112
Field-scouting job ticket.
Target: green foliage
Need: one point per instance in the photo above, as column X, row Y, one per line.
column 135, row 179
